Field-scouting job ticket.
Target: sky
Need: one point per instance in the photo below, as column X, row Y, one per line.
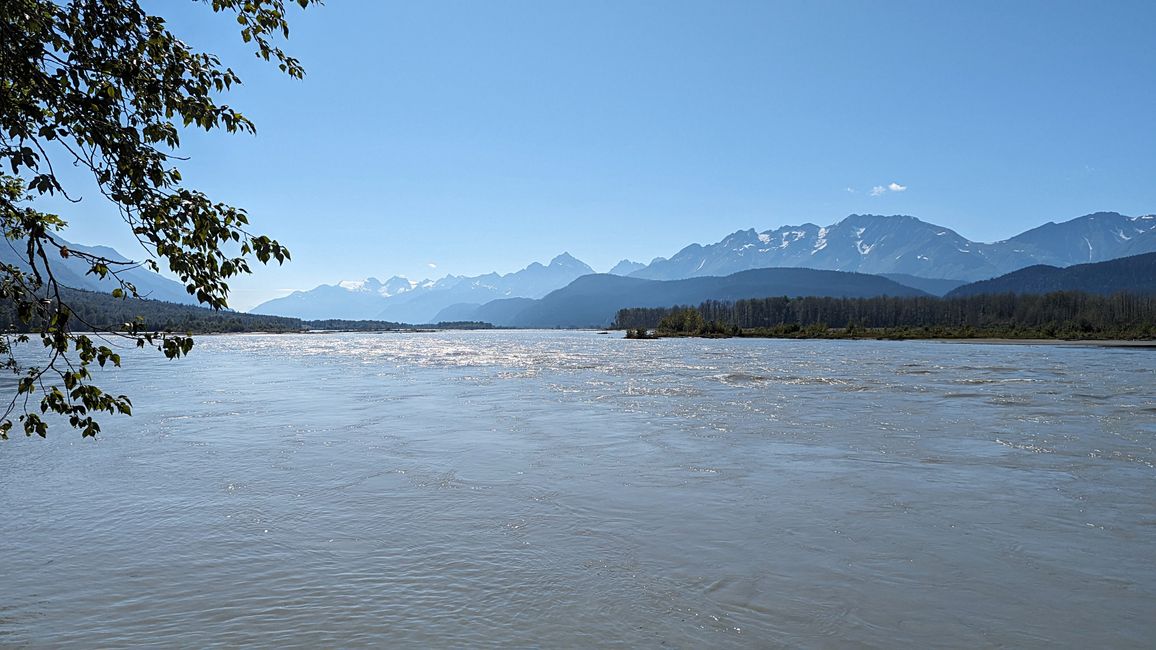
column 466, row 137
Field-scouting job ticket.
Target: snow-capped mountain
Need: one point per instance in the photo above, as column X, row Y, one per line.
column 1091, row 238
column 391, row 287
column 402, row 300
column 897, row 246
column 349, row 299
column 902, row 244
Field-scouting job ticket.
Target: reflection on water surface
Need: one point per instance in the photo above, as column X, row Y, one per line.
column 564, row 488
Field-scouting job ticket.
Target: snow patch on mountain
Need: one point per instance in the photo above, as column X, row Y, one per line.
column 906, row 245
column 821, row 242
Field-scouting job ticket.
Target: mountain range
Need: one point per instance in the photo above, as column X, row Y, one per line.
column 593, row 300
column 930, row 258
column 905, row 245
column 402, row 300
column 73, row 272
column 877, row 255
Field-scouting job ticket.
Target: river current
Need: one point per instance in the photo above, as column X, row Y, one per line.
column 575, row 489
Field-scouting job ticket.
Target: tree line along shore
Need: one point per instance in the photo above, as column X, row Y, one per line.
column 1056, row 316
column 1061, row 315
column 96, row 311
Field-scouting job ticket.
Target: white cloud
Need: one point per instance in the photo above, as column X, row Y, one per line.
column 851, row 190
column 880, row 190
column 432, row 265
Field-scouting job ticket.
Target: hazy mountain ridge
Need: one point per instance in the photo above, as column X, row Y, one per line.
column 910, row 251
column 913, row 252
column 626, row 267
column 402, row 300
column 72, row 272
column 593, row 300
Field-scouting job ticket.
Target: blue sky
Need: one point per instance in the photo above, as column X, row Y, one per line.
column 481, row 136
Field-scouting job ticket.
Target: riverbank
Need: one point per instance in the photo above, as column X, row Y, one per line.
column 931, row 334
column 1102, row 343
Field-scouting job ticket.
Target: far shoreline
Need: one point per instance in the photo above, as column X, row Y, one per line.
column 1094, row 343
column 973, row 340
column 1106, row 343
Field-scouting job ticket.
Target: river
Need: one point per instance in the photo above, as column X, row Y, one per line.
column 575, row 489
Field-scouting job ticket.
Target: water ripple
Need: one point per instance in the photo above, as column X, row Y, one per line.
column 569, row 489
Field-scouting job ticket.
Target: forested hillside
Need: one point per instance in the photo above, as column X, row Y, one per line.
column 1136, row 274
column 1057, row 315
column 100, row 311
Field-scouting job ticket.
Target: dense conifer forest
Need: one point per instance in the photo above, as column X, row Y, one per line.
column 1061, row 315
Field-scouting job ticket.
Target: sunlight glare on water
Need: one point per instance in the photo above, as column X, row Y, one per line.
column 577, row 489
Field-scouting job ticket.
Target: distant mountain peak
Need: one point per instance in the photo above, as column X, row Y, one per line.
column 869, row 215
column 566, row 259
column 391, row 287
column 626, row 267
